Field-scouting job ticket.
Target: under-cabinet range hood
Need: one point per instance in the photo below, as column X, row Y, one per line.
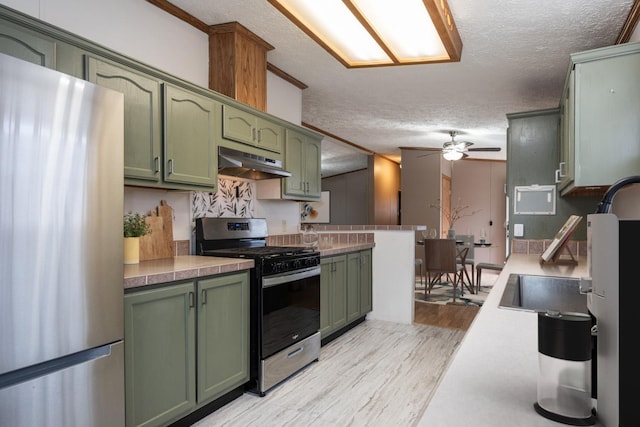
column 246, row 165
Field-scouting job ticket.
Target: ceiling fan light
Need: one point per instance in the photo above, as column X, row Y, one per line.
column 460, row 146
column 452, row 155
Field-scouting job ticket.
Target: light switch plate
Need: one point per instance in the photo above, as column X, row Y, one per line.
column 518, row 230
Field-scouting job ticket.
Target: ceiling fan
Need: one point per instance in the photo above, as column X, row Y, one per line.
column 456, row 150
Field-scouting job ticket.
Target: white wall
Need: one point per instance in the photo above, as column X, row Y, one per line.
column 480, row 184
column 284, row 100
column 144, row 200
column 134, row 28
column 393, row 276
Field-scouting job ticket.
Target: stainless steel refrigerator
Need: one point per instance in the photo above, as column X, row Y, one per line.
column 61, row 264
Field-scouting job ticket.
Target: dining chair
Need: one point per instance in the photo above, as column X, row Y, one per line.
column 467, row 240
column 441, row 257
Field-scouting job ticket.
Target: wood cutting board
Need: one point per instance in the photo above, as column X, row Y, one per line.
column 158, row 244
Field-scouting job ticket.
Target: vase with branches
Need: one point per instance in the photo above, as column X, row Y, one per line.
column 453, row 214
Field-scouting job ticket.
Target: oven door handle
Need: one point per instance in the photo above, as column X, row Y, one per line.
column 278, row 279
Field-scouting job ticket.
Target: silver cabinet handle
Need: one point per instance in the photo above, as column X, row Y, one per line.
column 192, row 301
column 253, row 133
column 259, row 135
column 557, row 175
column 563, row 169
column 156, row 164
column 204, row 296
column 170, row 163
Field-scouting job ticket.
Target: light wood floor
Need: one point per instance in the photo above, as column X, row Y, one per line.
column 378, row 374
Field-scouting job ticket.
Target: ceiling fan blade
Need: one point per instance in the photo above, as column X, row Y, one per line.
column 485, row 149
column 433, row 151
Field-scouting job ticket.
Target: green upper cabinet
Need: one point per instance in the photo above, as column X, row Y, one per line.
column 302, row 159
column 142, row 116
column 190, row 155
column 223, row 334
column 247, row 128
column 565, row 173
column 601, row 108
column 27, row 45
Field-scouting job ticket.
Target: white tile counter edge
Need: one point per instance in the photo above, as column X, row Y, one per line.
column 492, row 380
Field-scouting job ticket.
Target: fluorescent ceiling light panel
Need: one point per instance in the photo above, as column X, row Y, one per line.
column 365, row 33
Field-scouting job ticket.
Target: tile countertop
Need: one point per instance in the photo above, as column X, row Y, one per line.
column 492, row 380
column 180, row 268
column 193, row 266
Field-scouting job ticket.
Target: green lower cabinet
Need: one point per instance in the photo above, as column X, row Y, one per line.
column 353, row 286
column 345, row 290
column 170, row 329
column 159, row 355
column 223, row 334
column 333, row 294
column 366, row 282
column 359, row 291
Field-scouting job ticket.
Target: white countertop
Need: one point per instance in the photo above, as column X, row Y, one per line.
column 492, row 380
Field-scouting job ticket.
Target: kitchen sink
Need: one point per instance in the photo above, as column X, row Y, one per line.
column 543, row 293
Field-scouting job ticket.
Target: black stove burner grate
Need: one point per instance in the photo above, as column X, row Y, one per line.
column 264, row 252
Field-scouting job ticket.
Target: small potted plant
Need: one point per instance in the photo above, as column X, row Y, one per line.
column 135, row 226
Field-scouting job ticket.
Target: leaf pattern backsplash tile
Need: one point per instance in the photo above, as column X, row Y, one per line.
column 233, row 199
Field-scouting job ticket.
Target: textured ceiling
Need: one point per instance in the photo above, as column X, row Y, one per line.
column 515, row 57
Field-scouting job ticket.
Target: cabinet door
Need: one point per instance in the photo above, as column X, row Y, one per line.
column 223, row 335
column 238, row 125
column 607, row 123
column 353, row 286
column 366, row 282
column 339, row 292
column 333, row 294
column 242, row 126
column 302, row 159
column 142, row 126
column 326, row 272
column 311, row 159
column 269, row 136
column 159, row 354
column 567, row 141
column 190, row 155
column 27, row 45
column 294, row 185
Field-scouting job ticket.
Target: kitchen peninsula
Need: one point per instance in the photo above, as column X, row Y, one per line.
column 492, row 380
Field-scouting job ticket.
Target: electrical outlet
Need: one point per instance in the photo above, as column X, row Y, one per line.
column 518, row 230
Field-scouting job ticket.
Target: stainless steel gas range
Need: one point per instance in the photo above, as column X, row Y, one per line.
column 285, row 296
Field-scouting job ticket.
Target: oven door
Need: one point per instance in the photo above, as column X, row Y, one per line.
column 290, row 308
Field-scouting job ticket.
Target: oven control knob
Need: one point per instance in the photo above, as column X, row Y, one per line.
column 297, row 263
column 279, row 267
